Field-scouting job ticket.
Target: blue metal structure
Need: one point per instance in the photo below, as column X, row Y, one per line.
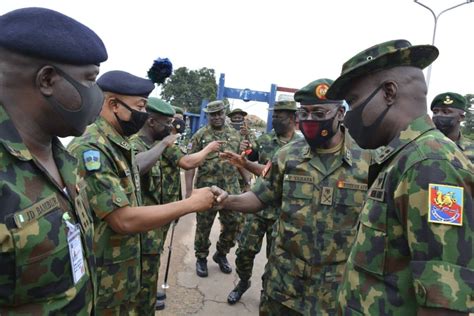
column 248, row 95
column 197, row 121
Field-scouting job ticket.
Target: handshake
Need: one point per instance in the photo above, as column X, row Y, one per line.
column 204, row 199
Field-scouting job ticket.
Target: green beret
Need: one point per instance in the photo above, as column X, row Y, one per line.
column 159, row 106
column 314, row 92
column 237, row 110
column 178, row 110
column 382, row 56
column 215, row 106
column 285, row 106
column 449, row 100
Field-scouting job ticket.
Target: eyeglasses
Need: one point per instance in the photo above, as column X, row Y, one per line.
column 318, row 115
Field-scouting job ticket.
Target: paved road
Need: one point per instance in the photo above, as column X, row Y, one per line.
column 189, row 294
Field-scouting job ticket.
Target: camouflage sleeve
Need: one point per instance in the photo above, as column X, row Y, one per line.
column 268, row 187
column 105, row 189
column 173, row 154
column 440, row 237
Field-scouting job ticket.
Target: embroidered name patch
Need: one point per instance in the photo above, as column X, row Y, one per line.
column 91, row 160
column 298, row 178
column 351, row 185
column 36, row 210
column 445, row 204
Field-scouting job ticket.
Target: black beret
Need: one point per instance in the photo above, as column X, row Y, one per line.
column 122, row 82
column 50, row 35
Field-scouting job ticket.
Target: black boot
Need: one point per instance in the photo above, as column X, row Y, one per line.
column 159, row 305
column 160, row 296
column 201, row 267
column 221, row 260
column 238, row 291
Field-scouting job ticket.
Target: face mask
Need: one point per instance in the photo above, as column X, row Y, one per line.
column 316, row 132
column 237, row 125
column 166, row 130
column 444, row 123
column 137, row 120
column 353, row 121
column 280, row 126
column 91, row 104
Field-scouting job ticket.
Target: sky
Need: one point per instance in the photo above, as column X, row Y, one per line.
column 256, row 43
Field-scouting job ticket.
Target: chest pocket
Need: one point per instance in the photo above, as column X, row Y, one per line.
column 298, row 192
column 348, row 202
column 371, row 242
column 41, row 252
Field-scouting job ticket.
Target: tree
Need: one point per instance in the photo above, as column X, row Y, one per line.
column 468, row 126
column 187, row 88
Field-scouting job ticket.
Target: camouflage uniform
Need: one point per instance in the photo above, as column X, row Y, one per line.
column 36, row 274
column 400, row 261
column 467, row 147
column 215, row 171
column 153, row 240
column 261, row 223
column 114, row 184
column 319, row 206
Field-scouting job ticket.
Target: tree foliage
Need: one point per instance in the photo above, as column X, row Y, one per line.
column 187, row 88
column 468, row 126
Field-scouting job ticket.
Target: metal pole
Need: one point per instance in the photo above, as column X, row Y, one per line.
column 436, row 17
column 165, row 285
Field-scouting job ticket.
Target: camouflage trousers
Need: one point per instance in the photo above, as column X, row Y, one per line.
column 271, row 307
column 147, row 294
column 250, row 243
column 229, row 230
column 120, row 310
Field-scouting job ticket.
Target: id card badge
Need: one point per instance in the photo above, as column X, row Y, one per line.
column 75, row 251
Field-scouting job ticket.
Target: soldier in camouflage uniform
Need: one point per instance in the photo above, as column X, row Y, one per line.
column 449, row 110
column 107, row 164
column 261, row 223
column 215, row 171
column 413, row 250
column 319, row 183
column 47, row 266
column 159, row 186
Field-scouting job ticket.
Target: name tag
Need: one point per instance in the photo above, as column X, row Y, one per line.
column 35, row 211
column 351, row 185
column 75, row 252
column 297, row 178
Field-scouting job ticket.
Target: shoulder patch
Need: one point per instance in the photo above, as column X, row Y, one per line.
column 91, row 160
column 445, row 204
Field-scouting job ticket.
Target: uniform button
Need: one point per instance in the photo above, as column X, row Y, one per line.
column 118, row 199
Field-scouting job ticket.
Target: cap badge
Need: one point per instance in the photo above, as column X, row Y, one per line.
column 321, row 91
column 448, row 100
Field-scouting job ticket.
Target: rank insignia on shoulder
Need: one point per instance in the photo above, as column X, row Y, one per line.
column 91, row 160
column 445, row 204
column 267, row 168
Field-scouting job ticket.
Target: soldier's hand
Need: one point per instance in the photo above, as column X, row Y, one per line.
column 215, row 146
column 244, row 145
column 219, row 195
column 244, row 130
column 170, row 139
column 203, row 199
column 233, row 158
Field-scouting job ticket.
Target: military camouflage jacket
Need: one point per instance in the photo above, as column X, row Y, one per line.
column 107, row 165
column 171, row 186
column 414, row 246
column 215, row 171
column 36, row 219
column 467, row 147
column 319, row 209
column 267, row 145
column 151, row 188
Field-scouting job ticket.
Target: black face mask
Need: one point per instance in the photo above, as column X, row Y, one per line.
column 91, row 103
column 179, row 125
column 316, row 132
column 136, row 122
column 164, row 132
column 280, row 126
column 353, row 121
column 445, row 124
column 237, row 125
